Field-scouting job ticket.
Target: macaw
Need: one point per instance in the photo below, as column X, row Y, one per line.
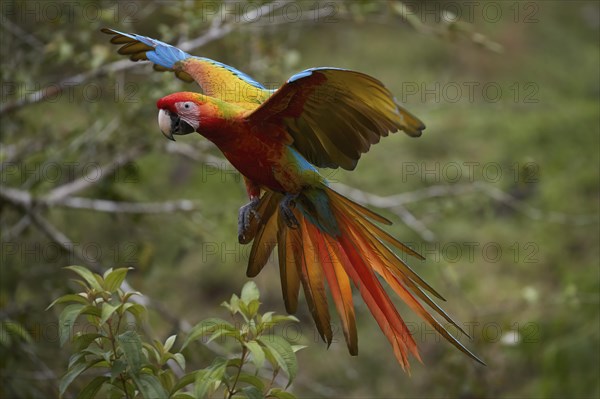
column 321, row 117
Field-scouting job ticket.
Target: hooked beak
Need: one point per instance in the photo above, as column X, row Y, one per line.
column 171, row 124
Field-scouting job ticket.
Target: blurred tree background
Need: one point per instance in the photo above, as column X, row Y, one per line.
column 501, row 193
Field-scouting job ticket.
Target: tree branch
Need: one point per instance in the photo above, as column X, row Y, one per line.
column 216, row 31
column 59, row 193
column 101, row 205
column 396, row 202
column 24, row 200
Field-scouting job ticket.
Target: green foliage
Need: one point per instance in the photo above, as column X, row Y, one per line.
column 548, row 114
column 105, row 329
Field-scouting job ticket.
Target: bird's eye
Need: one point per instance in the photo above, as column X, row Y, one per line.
column 186, row 105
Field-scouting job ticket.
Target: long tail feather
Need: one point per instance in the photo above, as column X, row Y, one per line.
column 373, row 234
column 339, row 285
column 311, row 275
column 263, row 229
column 395, row 272
column 289, row 255
column 372, row 292
column 338, row 242
column 394, row 281
column 355, row 208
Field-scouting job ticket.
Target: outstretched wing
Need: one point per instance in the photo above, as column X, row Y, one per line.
column 216, row 79
column 335, row 115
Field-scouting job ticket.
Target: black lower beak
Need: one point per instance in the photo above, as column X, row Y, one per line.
column 170, row 124
column 179, row 126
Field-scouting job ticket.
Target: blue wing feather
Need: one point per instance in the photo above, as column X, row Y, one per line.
column 308, row 72
column 163, row 54
column 166, row 56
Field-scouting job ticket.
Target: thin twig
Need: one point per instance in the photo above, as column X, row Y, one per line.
column 101, row 205
column 216, row 31
column 23, row 199
column 95, row 174
column 438, row 191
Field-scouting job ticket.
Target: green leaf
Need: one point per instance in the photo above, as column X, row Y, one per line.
column 180, row 359
column 75, row 358
column 103, row 363
column 116, row 391
column 149, row 386
column 183, row 395
column 98, row 352
column 297, row 348
column 252, row 328
column 90, row 278
column 283, row 354
column 258, row 355
column 169, row 343
column 209, row 379
column 235, row 362
column 73, row 372
column 205, row 327
column 253, row 308
column 266, row 318
column 92, row 311
column 184, row 381
column 82, row 341
column 69, row 298
column 115, row 278
column 132, row 349
column 233, row 305
column 252, row 392
column 137, row 310
column 250, row 292
column 129, row 294
column 107, row 272
column 107, row 311
column 280, row 319
column 222, row 332
column 167, row 379
column 5, row 339
column 252, row 380
column 14, row 329
column 280, row 394
column 117, row 368
column 91, row 389
column 244, row 310
column 66, row 320
column 153, row 353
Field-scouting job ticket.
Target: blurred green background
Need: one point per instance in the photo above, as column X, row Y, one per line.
column 501, row 193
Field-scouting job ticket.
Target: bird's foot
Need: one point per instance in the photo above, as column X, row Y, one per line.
column 285, row 207
column 245, row 214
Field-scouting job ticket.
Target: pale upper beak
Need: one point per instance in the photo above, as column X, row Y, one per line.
column 171, row 124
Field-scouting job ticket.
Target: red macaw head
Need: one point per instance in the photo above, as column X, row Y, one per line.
column 179, row 113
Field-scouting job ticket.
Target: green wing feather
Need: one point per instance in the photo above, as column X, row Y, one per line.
column 335, row 115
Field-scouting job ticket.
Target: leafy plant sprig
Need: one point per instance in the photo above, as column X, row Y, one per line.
column 113, row 351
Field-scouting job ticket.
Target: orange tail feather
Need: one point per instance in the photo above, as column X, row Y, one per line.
column 352, row 249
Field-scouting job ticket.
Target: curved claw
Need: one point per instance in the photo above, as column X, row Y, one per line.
column 245, row 213
column 285, row 207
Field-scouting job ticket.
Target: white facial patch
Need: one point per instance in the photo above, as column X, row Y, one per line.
column 188, row 111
